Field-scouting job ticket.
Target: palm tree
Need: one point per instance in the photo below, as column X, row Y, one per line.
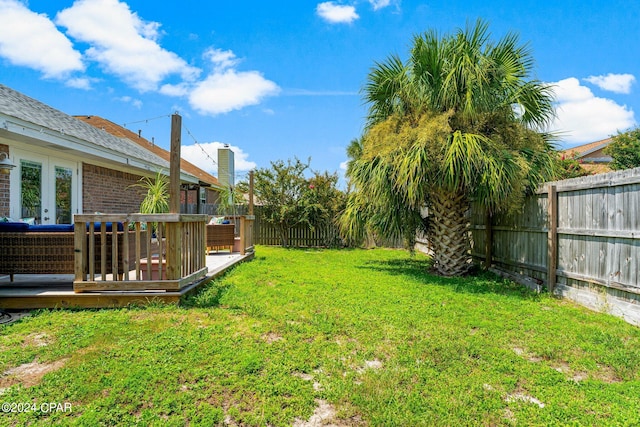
column 460, row 121
column 156, row 193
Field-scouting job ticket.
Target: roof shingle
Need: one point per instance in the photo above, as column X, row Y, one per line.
column 20, row 106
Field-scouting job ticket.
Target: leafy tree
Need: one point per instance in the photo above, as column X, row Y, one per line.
column 625, row 150
column 324, row 201
column 289, row 199
column 459, row 121
column 569, row 167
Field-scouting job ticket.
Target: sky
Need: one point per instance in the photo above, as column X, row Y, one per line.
column 278, row 80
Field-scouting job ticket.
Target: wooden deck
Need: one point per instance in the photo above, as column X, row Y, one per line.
column 56, row 291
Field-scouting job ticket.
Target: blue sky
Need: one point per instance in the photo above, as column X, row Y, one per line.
column 281, row 79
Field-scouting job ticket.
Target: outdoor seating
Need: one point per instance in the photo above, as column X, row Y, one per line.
column 49, row 249
column 220, row 236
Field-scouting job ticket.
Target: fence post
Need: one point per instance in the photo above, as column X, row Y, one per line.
column 488, row 239
column 552, row 237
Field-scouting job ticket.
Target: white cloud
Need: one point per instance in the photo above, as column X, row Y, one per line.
column 79, row 83
column 129, row 100
column 583, row 117
column 127, row 47
column 221, row 59
column 379, row 4
column 195, row 155
column 32, row 40
column 618, row 83
column 336, row 13
column 231, row 90
column 122, row 43
column 343, row 165
column 181, row 89
column 227, row 89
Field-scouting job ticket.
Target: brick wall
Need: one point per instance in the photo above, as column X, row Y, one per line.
column 190, row 196
column 212, row 196
column 4, row 187
column 109, row 191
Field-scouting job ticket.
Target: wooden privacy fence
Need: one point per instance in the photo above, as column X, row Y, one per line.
column 301, row 236
column 580, row 237
column 265, row 233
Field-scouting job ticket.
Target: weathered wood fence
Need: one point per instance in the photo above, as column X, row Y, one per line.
column 578, row 237
column 302, row 236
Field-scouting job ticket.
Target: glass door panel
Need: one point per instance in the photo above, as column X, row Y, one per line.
column 63, row 192
column 31, row 190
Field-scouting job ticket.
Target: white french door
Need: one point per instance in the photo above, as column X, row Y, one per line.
column 44, row 189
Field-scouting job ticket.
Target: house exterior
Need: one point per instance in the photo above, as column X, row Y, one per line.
column 65, row 166
column 200, row 198
column 591, row 156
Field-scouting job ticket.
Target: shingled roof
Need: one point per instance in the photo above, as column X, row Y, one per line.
column 20, row 106
column 591, row 156
column 122, row 132
column 586, row 149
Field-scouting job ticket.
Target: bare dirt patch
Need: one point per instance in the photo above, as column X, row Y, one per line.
column 36, row 340
column 575, row 376
column 604, row 373
column 308, row 377
column 29, row 374
column 325, row 415
column 370, row 364
column 271, row 337
column 523, row 353
column 322, row 416
column 513, row 397
column 607, row 374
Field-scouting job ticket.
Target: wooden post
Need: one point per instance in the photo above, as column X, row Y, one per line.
column 243, row 244
column 174, row 164
column 251, row 193
column 552, row 238
column 488, row 240
column 174, row 241
column 80, row 249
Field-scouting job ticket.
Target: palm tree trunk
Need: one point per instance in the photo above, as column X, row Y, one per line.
column 449, row 233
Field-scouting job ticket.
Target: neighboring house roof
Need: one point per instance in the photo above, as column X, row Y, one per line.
column 122, row 132
column 587, row 150
column 591, row 156
column 67, row 130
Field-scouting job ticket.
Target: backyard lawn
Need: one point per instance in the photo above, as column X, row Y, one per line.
column 355, row 337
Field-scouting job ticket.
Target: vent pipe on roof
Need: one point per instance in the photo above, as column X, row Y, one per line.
column 139, row 133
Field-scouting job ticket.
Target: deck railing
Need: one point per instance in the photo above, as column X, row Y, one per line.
column 139, row 252
column 244, row 231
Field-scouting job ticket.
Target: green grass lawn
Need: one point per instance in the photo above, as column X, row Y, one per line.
column 368, row 336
